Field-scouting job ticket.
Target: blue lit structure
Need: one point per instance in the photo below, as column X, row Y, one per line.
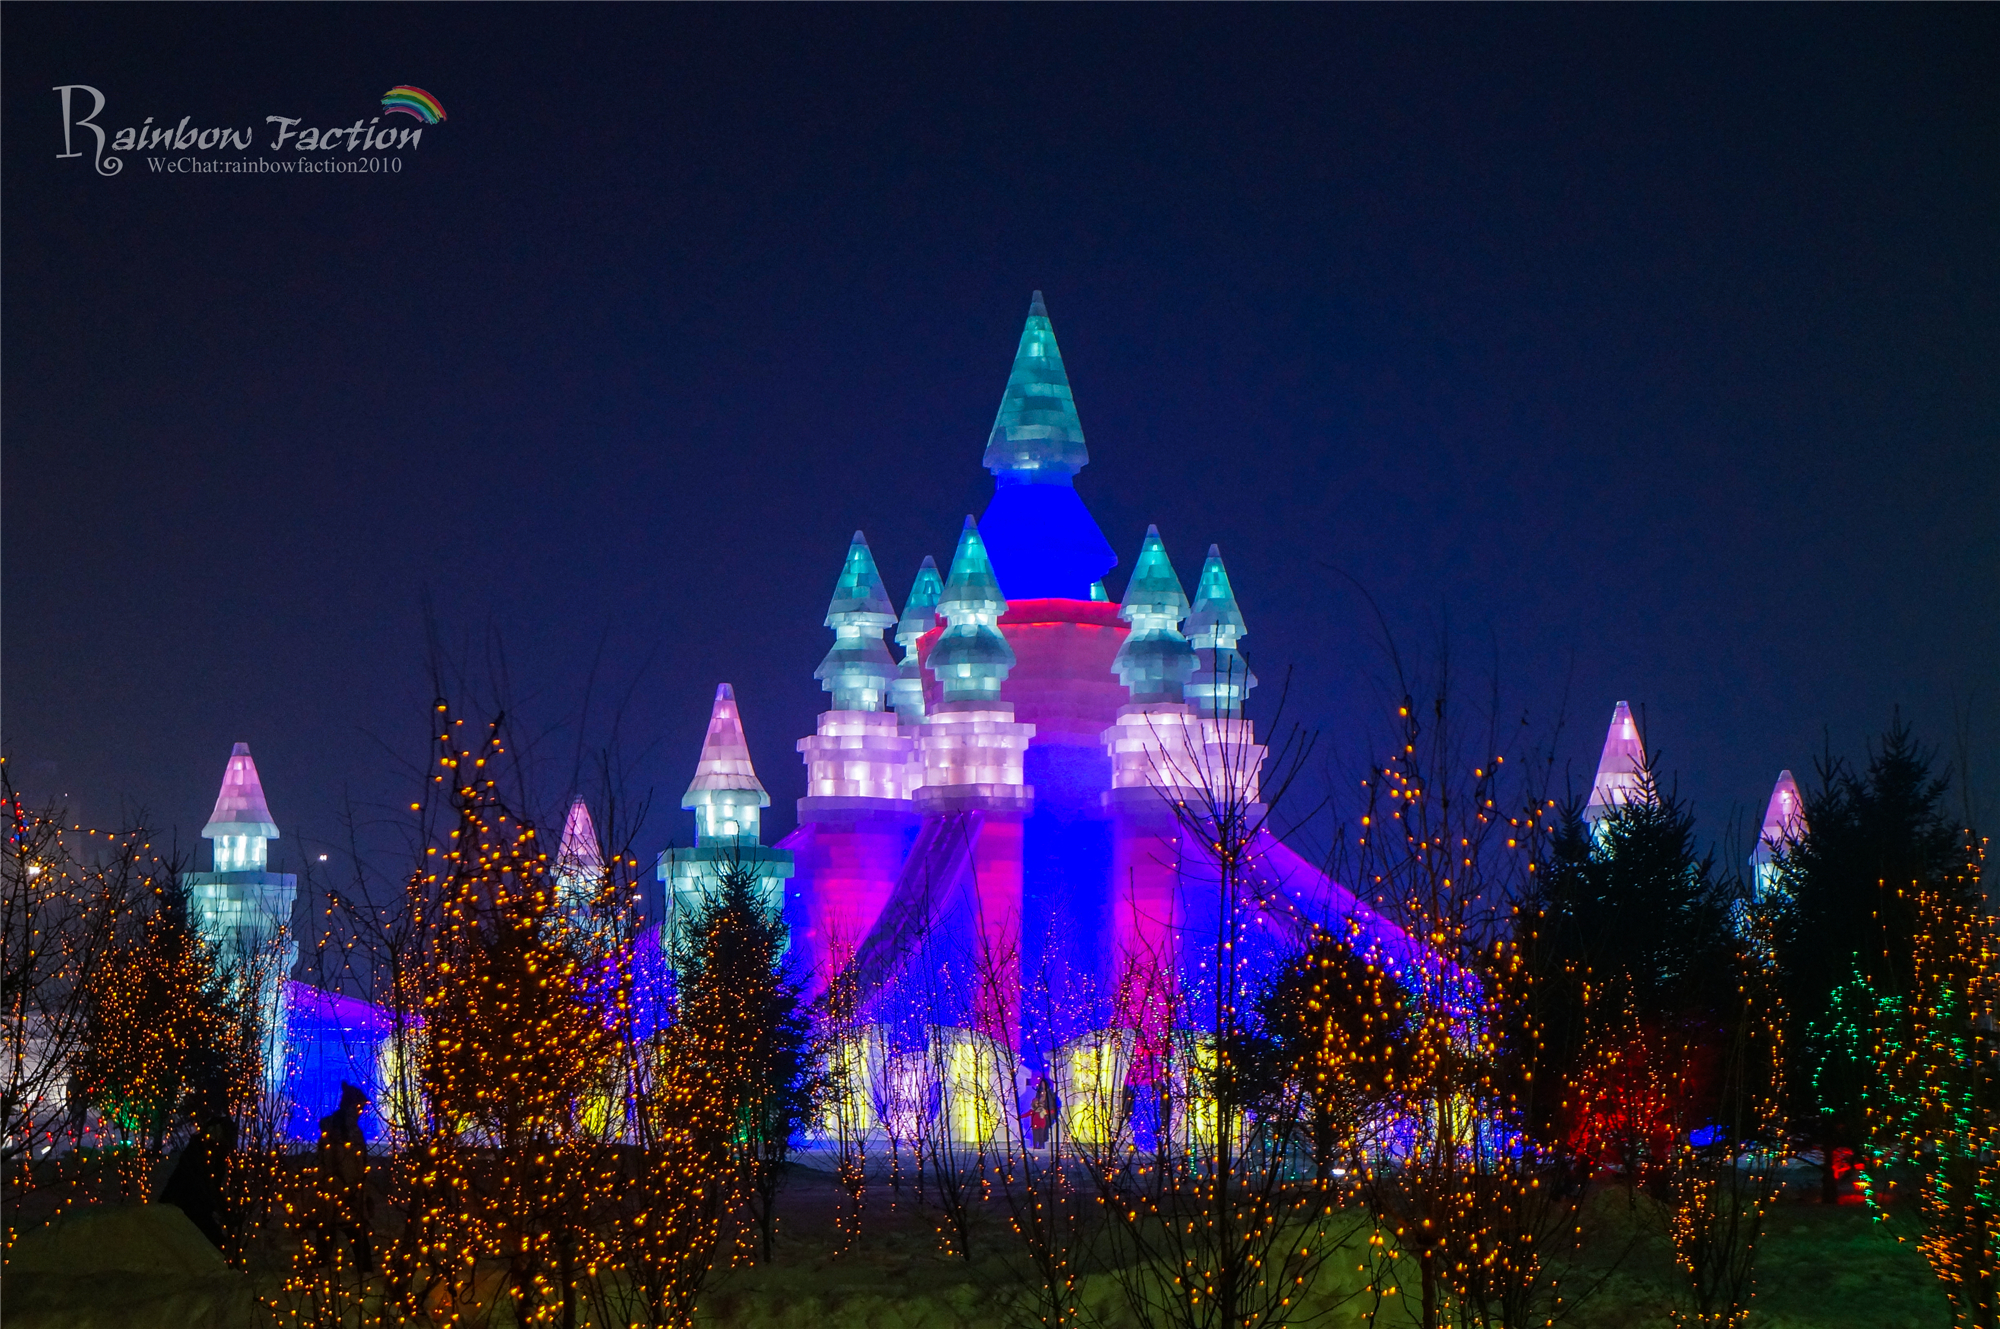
column 988, row 849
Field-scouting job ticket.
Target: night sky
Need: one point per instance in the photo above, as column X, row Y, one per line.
column 1648, row 354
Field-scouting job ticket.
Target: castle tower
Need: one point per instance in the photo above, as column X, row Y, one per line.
column 727, row 800
column 579, row 870
column 1042, row 540
column 919, row 617
column 858, row 771
column 1618, row 768
column 1784, row 823
column 1222, row 678
column 1232, row 759
column 1155, row 748
column 240, row 906
column 973, row 750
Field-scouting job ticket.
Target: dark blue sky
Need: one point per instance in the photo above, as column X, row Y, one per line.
column 1654, row 350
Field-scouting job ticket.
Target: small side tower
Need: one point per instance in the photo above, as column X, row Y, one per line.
column 1156, row 754
column 859, row 752
column 728, row 801
column 1784, row 824
column 1222, row 678
column 973, row 750
column 240, row 906
column 1232, row 759
column 858, row 771
column 1154, row 745
column 1618, row 769
column 972, row 747
column 919, row 617
column 579, row 870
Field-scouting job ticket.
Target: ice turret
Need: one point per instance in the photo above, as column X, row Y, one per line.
column 971, row 658
column 1043, row 540
column 1222, row 677
column 919, row 617
column 579, row 855
column 1036, row 433
column 971, row 745
column 1156, row 660
column 858, row 668
column 1784, row 823
column 579, row 863
column 242, row 908
column 1618, row 770
column 241, row 824
column 728, row 800
column 858, row 753
column 726, row 796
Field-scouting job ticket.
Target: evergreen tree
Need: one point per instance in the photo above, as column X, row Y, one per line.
column 1633, row 914
column 1845, row 922
column 739, row 1014
column 1636, row 901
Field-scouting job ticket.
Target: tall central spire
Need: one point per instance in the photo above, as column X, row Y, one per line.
column 1042, row 539
column 1037, row 436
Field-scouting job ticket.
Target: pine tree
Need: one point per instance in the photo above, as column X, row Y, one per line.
column 1845, row 923
column 1639, row 917
column 741, row 1020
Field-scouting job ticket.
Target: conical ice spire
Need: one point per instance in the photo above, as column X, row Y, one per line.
column 1785, row 815
column 1222, row 677
column 579, row 855
column 726, row 793
column 1214, row 619
column 971, row 657
column 920, row 610
column 1036, row 432
column 240, row 808
column 1155, row 588
column 1618, row 769
column 1155, row 661
column 1784, row 823
column 858, row 668
column 971, row 589
column 859, row 590
column 906, row 691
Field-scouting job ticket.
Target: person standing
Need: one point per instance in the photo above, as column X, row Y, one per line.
column 1042, row 1111
column 343, row 1179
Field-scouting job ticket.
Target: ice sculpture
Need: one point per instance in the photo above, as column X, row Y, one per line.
column 1784, row 824
column 1044, row 542
column 1618, row 769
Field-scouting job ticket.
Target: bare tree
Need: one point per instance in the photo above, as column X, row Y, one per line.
column 1224, row 1221
column 63, row 896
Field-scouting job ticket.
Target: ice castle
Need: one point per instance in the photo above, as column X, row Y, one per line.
column 993, row 857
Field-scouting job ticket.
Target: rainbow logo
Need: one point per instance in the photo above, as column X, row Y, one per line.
column 413, row 101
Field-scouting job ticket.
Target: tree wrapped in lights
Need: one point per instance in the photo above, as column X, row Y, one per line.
column 1475, row 1190
column 165, row 1035
column 63, row 897
column 523, row 1018
column 507, row 1075
column 1722, row 1179
column 1215, row 1226
column 1334, row 1024
column 724, row 1087
column 1934, row 1106
column 1874, row 841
